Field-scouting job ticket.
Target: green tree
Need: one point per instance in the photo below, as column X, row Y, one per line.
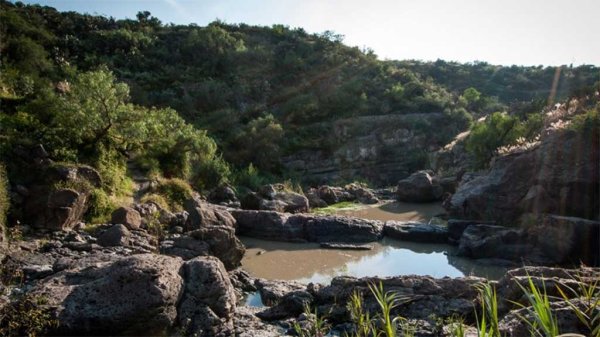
column 497, row 130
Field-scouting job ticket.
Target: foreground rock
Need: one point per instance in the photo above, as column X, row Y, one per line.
column 145, row 294
column 420, row 186
column 127, row 216
column 559, row 176
column 137, row 295
column 304, row 227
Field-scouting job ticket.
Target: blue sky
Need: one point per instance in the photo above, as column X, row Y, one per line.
column 524, row 32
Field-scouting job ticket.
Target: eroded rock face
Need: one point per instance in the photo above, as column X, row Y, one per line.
column 135, row 295
column 489, row 241
column 420, row 186
column 559, row 176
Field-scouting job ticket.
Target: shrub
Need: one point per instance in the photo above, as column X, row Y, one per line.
column 497, row 130
column 26, row 316
column 211, row 173
column 157, row 199
column 175, row 191
column 100, row 207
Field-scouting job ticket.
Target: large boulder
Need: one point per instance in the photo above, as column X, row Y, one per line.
column 560, row 176
column 420, row 186
column 134, row 296
column 117, row 235
column 222, row 243
column 268, row 225
column 209, row 301
column 341, row 229
column 202, row 214
column 126, row 216
column 224, row 195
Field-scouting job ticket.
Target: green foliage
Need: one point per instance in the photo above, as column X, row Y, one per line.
column 487, row 323
column 250, row 178
column 382, row 324
column 157, row 199
column 211, row 173
column 315, row 325
column 100, row 207
column 175, row 191
column 544, row 322
column 26, row 316
column 587, row 123
column 497, row 130
column 589, row 294
column 340, row 206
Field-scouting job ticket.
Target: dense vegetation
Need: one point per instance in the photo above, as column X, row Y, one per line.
column 223, row 102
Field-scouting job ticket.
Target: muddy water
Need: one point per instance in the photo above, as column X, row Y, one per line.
column 399, row 211
column 307, row 262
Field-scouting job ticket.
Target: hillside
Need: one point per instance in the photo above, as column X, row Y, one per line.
column 277, row 101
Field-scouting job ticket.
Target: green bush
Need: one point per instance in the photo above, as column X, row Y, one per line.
column 157, row 199
column 175, row 191
column 497, row 130
column 588, row 122
column 211, row 173
column 249, row 178
column 100, row 207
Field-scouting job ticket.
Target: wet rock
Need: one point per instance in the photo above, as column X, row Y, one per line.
column 420, row 186
column 117, row 235
column 344, row 246
column 136, row 295
column 416, row 232
column 126, row 216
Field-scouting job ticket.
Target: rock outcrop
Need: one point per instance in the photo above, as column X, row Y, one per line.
column 558, row 176
column 276, row 198
column 550, row 239
column 304, row 227
column 421, row 186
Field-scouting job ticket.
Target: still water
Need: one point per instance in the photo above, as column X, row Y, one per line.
column 307, row 262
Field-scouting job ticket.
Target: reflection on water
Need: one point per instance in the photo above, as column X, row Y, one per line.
column 399, row 211
column 253, row 299
column 309, row 263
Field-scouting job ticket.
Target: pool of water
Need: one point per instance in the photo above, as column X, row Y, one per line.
column 307, row 262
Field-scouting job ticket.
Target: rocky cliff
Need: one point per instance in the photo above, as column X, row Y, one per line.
column 381, row 149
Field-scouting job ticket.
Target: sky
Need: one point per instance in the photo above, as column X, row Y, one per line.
column 522, row 32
